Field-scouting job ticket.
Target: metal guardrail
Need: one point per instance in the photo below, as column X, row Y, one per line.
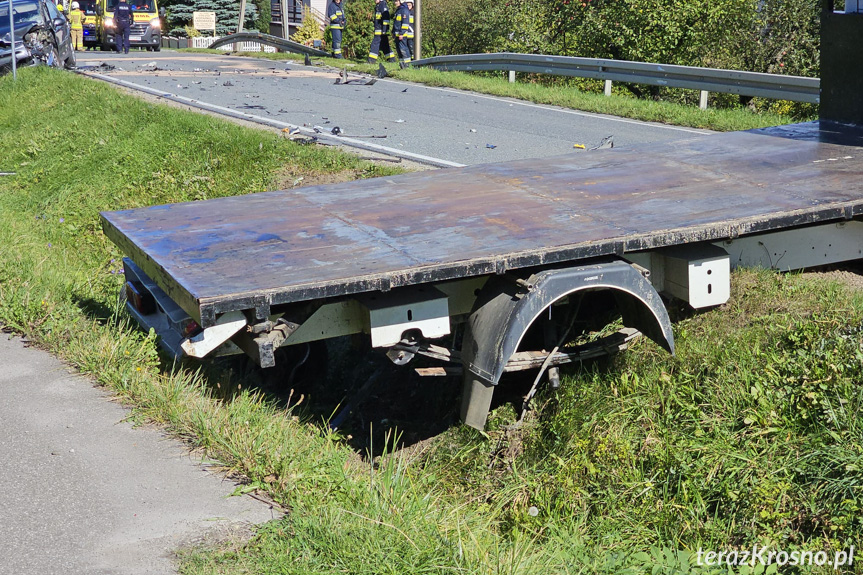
column 267, row 40
column 795, row 88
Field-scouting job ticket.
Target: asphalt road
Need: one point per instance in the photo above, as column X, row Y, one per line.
column 455, row 126
column 83, row 492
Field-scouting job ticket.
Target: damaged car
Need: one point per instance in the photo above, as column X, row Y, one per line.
column 41, row 35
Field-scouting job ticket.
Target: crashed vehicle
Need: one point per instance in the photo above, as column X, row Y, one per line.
column 41, row 37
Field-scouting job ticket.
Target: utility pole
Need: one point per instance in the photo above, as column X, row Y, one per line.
column 240, row 22
column 12, row 35
column 418, row 36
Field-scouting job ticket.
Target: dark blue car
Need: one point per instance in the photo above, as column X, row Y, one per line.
column 41, row 35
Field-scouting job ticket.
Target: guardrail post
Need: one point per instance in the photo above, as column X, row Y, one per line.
column 702, row 101
column 608, row 87
column 512, row 76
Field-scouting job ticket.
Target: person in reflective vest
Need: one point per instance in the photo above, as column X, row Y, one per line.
column 381, row 40
column 336, row 17
column 402, row 28
column 76, row 20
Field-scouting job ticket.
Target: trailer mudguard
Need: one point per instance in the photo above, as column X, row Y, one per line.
column 505, row 309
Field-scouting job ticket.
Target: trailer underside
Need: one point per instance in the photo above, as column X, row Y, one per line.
column 494, row 247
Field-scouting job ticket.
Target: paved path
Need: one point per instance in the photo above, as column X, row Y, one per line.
column 83, row 492
column 442, row 123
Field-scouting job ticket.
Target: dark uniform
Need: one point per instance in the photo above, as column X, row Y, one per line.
column 123, row 23
column 381, row 41
column 336, row 17
column 403, row 30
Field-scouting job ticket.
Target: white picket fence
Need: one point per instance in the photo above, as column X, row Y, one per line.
column 205, row 41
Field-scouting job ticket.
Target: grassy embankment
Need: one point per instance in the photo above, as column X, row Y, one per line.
column 618, row 104
column 752, row 433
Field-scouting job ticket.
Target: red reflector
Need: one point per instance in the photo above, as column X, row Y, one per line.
column 140, row 298
column 190, row 328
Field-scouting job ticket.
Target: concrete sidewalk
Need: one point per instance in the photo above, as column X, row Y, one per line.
column 82, row 491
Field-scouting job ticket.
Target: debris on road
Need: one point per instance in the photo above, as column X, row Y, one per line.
column 490, row 146
column 101, row 67
column 343, row 79
column 605, row 143
column 473, row 130
column 228, row 83
column 382, row 72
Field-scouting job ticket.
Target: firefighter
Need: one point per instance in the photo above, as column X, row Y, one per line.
column 76, row 20
column 123, row 24
column 382, row 30
column 336, row 17
column 402, row 28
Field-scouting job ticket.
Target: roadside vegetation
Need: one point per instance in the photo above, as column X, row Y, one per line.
column 577, row 95
column 751, row 434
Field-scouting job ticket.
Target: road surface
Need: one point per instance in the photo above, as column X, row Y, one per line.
column 449, row 125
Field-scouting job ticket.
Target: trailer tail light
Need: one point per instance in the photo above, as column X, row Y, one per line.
column 140, row 298
column 189, row 327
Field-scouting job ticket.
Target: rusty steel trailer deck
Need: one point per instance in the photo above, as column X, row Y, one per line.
column 511, row 250
column 266, row 249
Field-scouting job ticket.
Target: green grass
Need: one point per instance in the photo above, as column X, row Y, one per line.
column 617, row 104
column 751, row 434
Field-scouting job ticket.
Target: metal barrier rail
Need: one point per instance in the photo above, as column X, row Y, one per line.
column 795, row 88
column 266, row 39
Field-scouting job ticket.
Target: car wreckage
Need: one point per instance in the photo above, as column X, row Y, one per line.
column 41, row 36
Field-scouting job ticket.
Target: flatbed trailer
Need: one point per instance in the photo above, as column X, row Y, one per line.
column 522, row 254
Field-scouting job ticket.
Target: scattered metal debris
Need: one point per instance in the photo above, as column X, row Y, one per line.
column 605, row 143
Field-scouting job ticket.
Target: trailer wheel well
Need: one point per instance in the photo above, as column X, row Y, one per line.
column 505, row 311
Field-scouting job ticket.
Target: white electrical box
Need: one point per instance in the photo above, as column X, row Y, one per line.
column 699, row 274
column 390, row 315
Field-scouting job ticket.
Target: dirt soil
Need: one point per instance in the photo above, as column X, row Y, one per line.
column 850, row 274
